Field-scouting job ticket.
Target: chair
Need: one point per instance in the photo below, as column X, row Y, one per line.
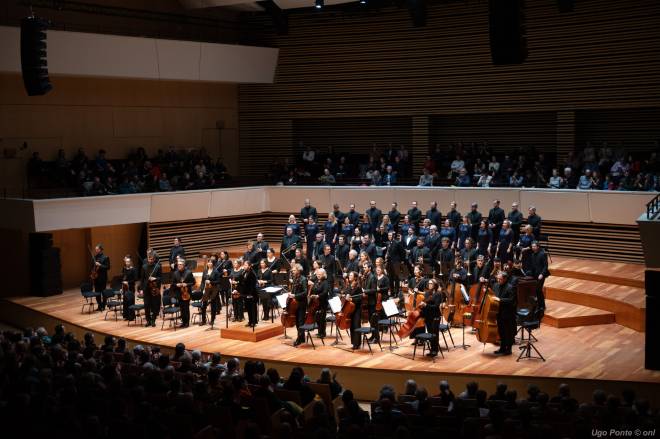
column 308, row 328
column 426, row 340
column 170, row 312
column 364, row 333
column 388, row 325
column 196, row 303
column 89, row 297
column 113, row 305
column 137, row 308
column 527, row 346
column 525, row 314
column 446, row 328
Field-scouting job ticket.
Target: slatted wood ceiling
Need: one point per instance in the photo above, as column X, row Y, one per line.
column 583, row 240
column 604, row 55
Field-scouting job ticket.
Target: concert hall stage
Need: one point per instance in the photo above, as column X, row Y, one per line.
column 611, row 353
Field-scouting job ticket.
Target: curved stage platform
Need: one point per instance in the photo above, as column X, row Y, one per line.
column 579, row 339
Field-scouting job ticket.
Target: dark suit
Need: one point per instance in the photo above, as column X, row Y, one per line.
column 516, row 218
column 186, row 277
column 538, row 265
column 353, row 217
column 395, row 217
column 375, row 216
column 434, row 216
column 506, row 317
column 496, row 216
column 454, row 217
column 321, row 289
column 535, row 222
column 415, row 216
column 306, row 212
column 214, row 280
column 370, row 288
column 299, row 290
column 101, row 280
column 129, row 275
column 247, row 287
column 152, row 301
column 394, row 255
column 175, row 251
column 329, row 263
column 475, row 217
column 259, row 248
column 287, row 243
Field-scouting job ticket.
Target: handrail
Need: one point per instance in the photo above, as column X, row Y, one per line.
column 653, row 207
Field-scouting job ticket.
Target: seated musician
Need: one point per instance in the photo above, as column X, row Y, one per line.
column 182, row 278
column 299, row 293
column 210, row 287
column 353, row 292
column 430, row 311
column 320, row 291
column 506, row 317
column 150, row 288
column 264, row 279
column 290, row 242
column 129, row 277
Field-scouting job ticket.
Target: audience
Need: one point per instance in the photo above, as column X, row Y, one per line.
column 59, row 386
column 462, row 165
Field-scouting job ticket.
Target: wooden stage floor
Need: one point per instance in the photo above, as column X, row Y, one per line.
column 599, row 352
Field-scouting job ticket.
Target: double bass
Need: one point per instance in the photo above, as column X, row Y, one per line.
column 485, row 320
column 312, row 306
column 477, row 292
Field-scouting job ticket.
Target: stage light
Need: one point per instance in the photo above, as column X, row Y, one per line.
column 363, row 2
column 319, row 4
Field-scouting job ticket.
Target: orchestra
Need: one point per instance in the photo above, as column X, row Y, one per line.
column 472, row 265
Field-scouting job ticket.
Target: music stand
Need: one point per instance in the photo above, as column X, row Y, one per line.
column 272, row 291
column 391, row 310
column 281, row 301
column 335, row 307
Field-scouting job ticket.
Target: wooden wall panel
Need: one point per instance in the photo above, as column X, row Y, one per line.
column 336, row 65
column 636, row 130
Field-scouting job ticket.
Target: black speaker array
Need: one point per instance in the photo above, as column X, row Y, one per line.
column 34, row 65
column 45, row 265
column 508, row 40
column 652, row 353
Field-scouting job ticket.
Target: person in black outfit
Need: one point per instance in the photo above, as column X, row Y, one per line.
column 415, row 215
column 182, row 277
column 341, row 251
column 247, row 287
column 475, row 218
column 444, row 261
column 539, row 270
column 129, row 276
column 307, row 211
column 506, row 317
column 290, row 242
column 430, row 311
column 353, row 216
column 535, row 221
column 299, row 293
column 516, row 219
column 354, row 293
column 370, row 288
column 375, row 215
column 260, row 247
column 454, row 216
column 321, row 291
column 420, row 254
column 329, row 264
column 496, row 217
column 101, row 267
column 150, row 288
column 210, row 287
column 264, row 280
column 434, row 215
column 176, row 252
column 395, row 216
column 368, row 247
column 223, row 266
column 394, row 256
column 300, row 259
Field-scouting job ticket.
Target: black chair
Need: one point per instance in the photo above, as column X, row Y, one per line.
column 425, row 339
column 445, row 328
column 527, row 345
column 196, row 303
column 307, row 328
column 365, row 332
column 89, row 297
column 389, row 325
column 171, row 312
column 525, row 314
column 137, row 308
column 114, row 303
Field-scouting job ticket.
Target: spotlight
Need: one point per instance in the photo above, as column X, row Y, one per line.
column 363, row 2
column 319, row 4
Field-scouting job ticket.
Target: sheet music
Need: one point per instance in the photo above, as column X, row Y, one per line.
column 273, row 289
column 281, row 300
column 390, row 308
column 335, row 304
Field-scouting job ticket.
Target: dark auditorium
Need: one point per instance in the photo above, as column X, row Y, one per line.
column 330, row 219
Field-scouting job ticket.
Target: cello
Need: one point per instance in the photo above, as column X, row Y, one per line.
column 343, row 317
column 290, row 311
column 312, row 305
column 413, row 308
column 94, row 273
column 486, row 318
